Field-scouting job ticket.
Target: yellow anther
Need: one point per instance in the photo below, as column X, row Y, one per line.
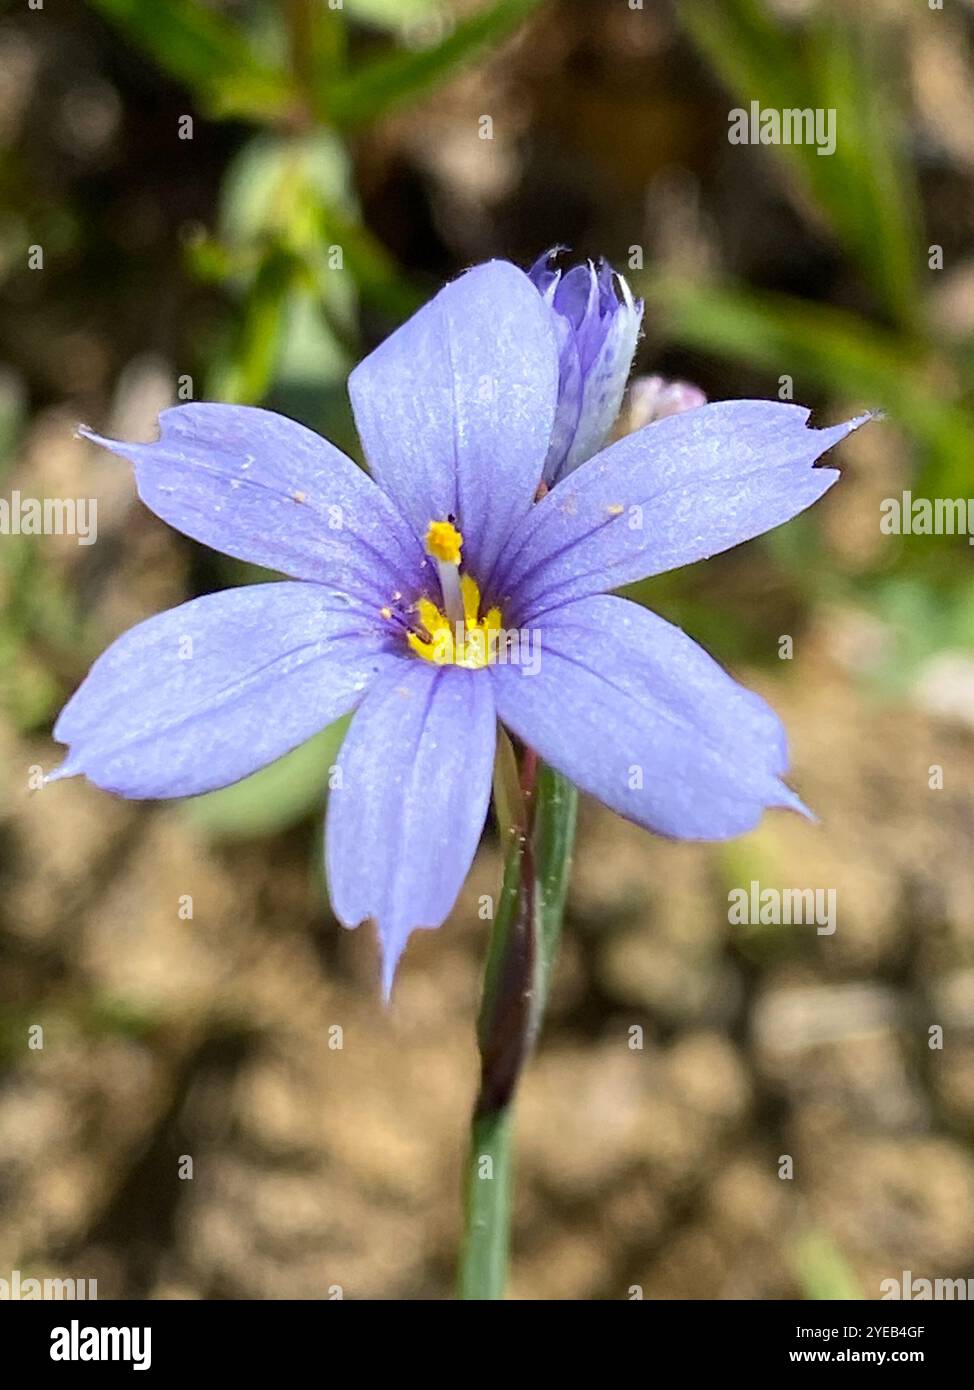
column 471, row 643
column 443, row 542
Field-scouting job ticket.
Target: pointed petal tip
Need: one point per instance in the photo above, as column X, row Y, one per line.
column 836, row 433
column 393, row 940
column 791, row 801
column 114, row 446
column 61, row 772
column 392, row 943
column 858, row 421
column 634, row 306
column 391, row 947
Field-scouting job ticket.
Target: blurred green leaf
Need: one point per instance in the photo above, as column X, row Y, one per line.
column 820, row 346
column 821, row 1269
column 319, row 42
column 244, row 375
column 274, row 798
column 398, row 15
column 288, row 200
column 66, row 1013
column 275, row 182
column 757, row 858
column 206, row 52
column 29, row 692
column 922, row 621
column 871, row 194
column 40, row 621
column 376, row 275
column 13, row 415
column 402, row 76
column 866, row 188
column 212, row 261
column 112, row 1016
column 299, row 311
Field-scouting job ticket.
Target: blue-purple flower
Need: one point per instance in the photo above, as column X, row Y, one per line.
column 401, row 581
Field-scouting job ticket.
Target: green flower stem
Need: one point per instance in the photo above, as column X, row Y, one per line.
column 520, row 958
column 487, row 1214
column 556, row 807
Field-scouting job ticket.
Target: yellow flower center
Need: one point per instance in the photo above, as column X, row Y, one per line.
column 471, row 642
column 453, row 634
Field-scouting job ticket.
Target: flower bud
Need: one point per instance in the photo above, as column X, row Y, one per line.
column 596, row 326
column 652, row 398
